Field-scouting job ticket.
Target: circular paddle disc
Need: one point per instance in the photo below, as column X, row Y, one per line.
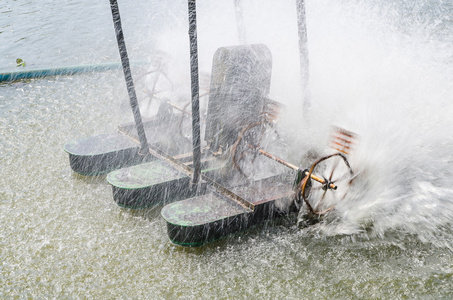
column 326, row 183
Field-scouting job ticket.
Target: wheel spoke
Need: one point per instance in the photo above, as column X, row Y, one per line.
column 333, row 169
column 317, row 198
column 320, row 201
column 335, row 198
column 342, row 176
column 344, row 195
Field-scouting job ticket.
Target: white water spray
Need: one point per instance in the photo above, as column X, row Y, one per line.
column 393, row 86
column 380, row 69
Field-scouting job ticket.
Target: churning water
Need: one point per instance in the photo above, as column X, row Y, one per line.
column 382, row 69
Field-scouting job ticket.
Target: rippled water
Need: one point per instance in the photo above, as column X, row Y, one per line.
column 379, row 68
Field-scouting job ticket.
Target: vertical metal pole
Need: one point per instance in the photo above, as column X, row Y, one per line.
column 303, row 52
column 240, row 21
column 195, row 91
column 144, row 149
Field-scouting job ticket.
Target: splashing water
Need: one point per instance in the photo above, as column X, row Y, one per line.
column 382, row 69
column 392, row 86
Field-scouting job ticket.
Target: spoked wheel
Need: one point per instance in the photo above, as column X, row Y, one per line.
column 243, row 145
column 247, row 147
column 326, row 183
column 251, row 136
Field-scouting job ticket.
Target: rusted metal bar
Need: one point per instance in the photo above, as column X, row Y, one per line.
column 291, row 166
column 277, row 159
column 229, row 194
column 342, row 140
column 189, row 172
column 179, row 108
column 321, row 180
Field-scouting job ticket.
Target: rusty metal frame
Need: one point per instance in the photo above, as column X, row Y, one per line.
column 162, row 155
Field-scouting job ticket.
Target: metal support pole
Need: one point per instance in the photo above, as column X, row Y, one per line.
column 240, row 21
column 144, row 149
column 303, row 53
column 196, row 141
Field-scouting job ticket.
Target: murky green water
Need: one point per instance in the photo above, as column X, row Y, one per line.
column 62, row 235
